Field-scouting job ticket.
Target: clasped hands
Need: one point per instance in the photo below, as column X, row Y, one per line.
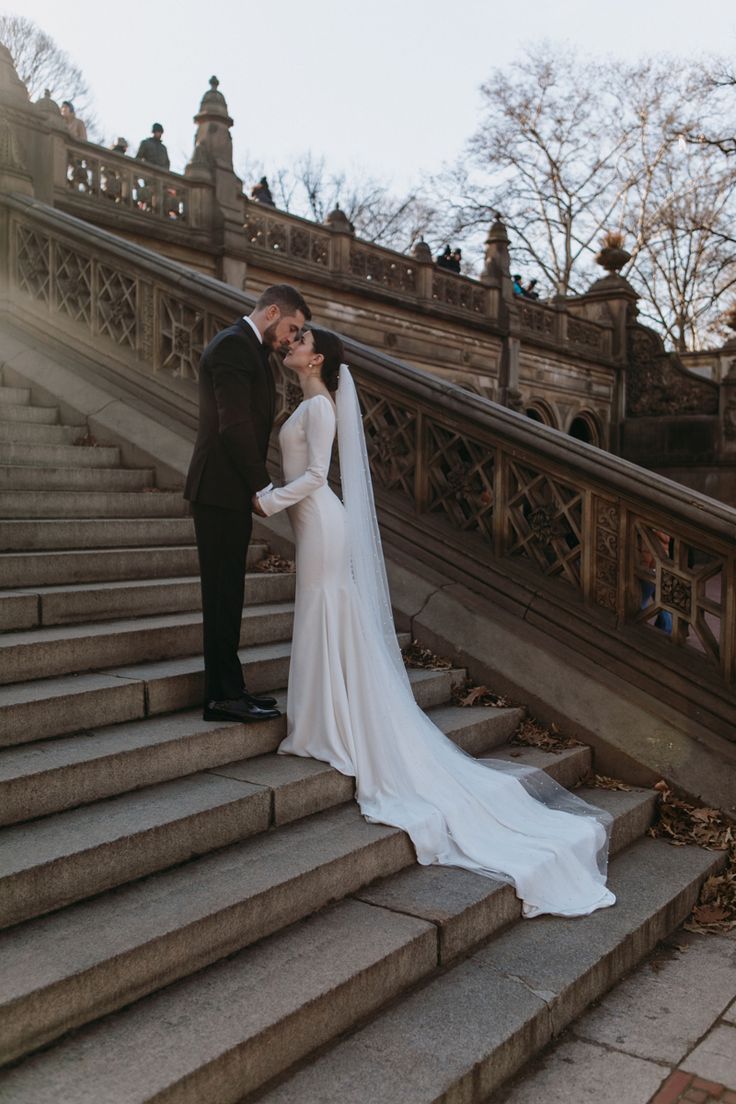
column 256, row 506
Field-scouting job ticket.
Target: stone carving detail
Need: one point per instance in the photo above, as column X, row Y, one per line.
column 146, row 332
column 605, row 588
column 182, row 331
column 729, row 416
column 33, row 263
column 298, row 242
column 458, row 291
column 676, row 591
column 383, row 269
column 676, row 577
column 585, row 334
column 390, row 433
column 460, row 474
column 116, row 306
column 657, row 384
column 544, row 517
column 73, row 284
column 537, row 320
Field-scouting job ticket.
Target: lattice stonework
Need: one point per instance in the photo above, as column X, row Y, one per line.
column 460, row 480
column 544, row 518
column 679, row 589
column 391, row 439
column 606, row 553
column 33, row 268
column 182, row 340
column 116, row 306
column 73, row 284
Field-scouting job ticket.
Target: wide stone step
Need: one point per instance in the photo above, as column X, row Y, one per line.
column 45, row 652
column 92, row 504
column 98, row 565
column 57, row 456
column 17, row 412
column 73, row 533
column 15, row 395
column 67, row 856
column 25, row 609
column 465, row 1032
column 32, row 711
column 35, row 710
column 49, row 776
column 20, row 478
column 96, row 956
column 31, row 433
column 226, row 1031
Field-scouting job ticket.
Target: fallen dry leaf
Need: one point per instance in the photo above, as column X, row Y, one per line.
column 272, row 564
column 418, row 658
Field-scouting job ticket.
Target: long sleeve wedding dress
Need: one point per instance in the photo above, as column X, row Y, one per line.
column 350, row 703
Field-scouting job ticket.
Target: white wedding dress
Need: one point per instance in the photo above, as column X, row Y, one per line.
column 350, row 703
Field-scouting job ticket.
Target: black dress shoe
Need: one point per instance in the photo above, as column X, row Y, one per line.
column 237, row 710
column 264, row 701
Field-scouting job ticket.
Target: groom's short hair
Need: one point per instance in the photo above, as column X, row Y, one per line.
column 286, row 298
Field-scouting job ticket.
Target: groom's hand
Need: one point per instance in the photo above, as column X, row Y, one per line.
column 256, row 506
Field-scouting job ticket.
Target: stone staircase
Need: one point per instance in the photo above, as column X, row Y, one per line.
column 189, row 917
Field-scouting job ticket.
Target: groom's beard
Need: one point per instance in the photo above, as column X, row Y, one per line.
column 269, row 340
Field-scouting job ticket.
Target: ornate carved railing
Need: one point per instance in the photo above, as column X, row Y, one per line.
column 292, row 238
column 112, row 178
column 622, row 562
column 549, row 324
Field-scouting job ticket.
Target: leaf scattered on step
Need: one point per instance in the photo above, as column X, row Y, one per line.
column 604, row 782
column 275, row 565
column 86, row 440
column 547, row 737
column 416, row 658
column 468, row 694
column 681, row 822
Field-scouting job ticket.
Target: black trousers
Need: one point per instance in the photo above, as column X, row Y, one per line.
column 222, row 544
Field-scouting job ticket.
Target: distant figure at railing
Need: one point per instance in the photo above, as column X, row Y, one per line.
column 530, row 290
column 517, row 285
column 261, row 193
column 527, row 291
column 152, row 150
column 450, row 259
column 75, row 126
column 120, row 145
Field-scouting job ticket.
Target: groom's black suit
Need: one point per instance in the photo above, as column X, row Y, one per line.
column 237, row 404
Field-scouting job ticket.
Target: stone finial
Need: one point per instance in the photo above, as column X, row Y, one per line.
column 213, row 131
column 421, row 251
column 48, row 110
column 497, row 261
column 12, row 89
column 200, row 164
column 338, row 220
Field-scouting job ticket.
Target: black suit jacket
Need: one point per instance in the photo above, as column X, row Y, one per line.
column 237, row 405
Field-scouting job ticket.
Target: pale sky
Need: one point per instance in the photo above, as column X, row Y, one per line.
column 388, row 86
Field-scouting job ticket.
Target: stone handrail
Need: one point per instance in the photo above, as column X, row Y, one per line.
column 571, row 534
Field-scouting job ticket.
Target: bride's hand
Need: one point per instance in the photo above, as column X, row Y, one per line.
column 257, row 509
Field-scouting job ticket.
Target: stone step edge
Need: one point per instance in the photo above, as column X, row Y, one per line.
column 236, row 1057
column 385, row 856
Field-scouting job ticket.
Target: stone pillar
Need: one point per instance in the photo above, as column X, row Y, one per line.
column 727, row 400
column 425, row 270
column 15, row 107
column 496, row 276
column 343, row 233
column 212, row 160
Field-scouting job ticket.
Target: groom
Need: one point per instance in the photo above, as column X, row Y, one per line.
column 237, row 404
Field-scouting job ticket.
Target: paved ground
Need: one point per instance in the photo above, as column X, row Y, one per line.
column 665, row 1034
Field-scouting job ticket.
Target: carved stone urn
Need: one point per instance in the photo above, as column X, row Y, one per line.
column 612, row 256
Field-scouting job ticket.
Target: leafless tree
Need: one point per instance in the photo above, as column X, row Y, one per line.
column 569, row 148
column 308, row 188
column 41, row 64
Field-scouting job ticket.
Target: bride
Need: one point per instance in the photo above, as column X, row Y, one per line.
column 350, row 701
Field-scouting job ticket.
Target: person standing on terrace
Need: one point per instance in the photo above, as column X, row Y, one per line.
column 152, row 150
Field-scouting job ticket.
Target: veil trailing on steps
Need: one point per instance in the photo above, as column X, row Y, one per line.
column 496, row 818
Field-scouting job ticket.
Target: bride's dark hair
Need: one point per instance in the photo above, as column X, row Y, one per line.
column 332, row 349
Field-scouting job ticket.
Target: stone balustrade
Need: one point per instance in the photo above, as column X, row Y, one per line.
column 111, row 178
